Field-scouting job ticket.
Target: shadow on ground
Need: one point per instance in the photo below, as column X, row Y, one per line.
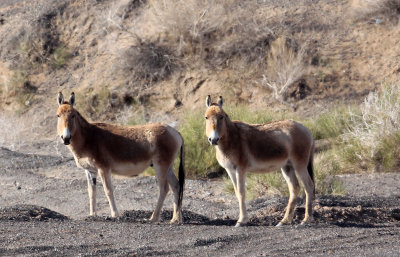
column 333, row 210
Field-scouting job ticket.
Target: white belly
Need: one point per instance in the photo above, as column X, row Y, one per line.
column 257, row 166
column 130, row 169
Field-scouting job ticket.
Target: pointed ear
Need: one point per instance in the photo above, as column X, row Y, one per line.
column 72, row 99
column 208, row 101
column 220, row 101
column 60, row 98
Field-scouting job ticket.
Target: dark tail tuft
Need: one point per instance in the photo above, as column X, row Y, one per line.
column 181, row 174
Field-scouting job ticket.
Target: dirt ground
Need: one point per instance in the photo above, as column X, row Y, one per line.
column 44, row 212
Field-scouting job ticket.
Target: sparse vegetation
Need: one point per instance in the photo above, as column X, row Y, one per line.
column 379, row 10
column 60, row 57
column 285, row 65
column 332, row 123
column 18, row 90
column 227, row 45
column 372, row 140
column 149, row 62
column 199, row 156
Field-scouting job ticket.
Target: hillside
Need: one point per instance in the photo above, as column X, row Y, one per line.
column 149, row 61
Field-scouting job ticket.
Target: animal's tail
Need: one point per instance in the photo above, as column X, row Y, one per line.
column 310, row 166
column 181, row 174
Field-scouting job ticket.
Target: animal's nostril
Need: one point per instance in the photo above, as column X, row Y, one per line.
column 209, row 139
column 62, row 137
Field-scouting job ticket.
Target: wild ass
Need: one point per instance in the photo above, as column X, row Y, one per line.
column 260, row 148
column 123, row 150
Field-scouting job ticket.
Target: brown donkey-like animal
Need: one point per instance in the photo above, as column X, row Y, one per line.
column 123, row 150
column 260, row 148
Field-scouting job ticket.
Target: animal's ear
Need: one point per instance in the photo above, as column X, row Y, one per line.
column 72, row 99
column 208, row 101
column 220, row 101
column 60, row 98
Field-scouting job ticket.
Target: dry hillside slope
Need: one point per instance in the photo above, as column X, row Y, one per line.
column 153, row 61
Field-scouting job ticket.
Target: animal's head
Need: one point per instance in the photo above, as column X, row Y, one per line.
column 66, row 124
column 215, row 121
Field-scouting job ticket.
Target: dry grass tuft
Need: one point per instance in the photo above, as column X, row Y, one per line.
column 378, row 10
column 285, row 66
column 211, row 32
column 149, row 61
column 374, row 136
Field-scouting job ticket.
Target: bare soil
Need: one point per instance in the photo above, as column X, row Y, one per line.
column 44, row 212
column 43, row 197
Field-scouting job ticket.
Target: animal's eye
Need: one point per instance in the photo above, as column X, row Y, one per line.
column 206, row 118
column 73, row 116
column 220, row 117
column 58, row 115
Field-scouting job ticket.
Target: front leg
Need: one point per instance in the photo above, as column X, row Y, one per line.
column 91, row 179
column 232, row 174
column 108, row 189
column 241, row 195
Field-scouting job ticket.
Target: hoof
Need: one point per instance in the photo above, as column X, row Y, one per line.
column 153, row 221
column 176, row 222
column 309, row 221
column 240, row 224
column 280, row 224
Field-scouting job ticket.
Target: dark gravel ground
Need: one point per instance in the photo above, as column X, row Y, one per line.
column 44, row 208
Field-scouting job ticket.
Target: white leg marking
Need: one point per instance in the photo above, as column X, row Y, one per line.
column 91, row 179
column 232, row 175
column 294, row 190
column 241, row 179
column 308, row 184
column 109, row 191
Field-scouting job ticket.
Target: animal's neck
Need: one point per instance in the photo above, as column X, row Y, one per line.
column 228, row 140
column 81, row 135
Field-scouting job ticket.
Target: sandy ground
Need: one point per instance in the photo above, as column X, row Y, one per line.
column 44, row 212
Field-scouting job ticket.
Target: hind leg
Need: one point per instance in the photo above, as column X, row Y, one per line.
column 161, row 173
column 105, row 176
column 308, row 184
column 174, row 185
column 294, row 190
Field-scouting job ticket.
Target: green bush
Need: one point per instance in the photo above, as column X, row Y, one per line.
column 332, row 123
column 199, row 154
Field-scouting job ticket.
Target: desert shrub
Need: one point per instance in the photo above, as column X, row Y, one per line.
column 149, row 61
column 373, row 139
column 384, row 10
column 60, row 57
column 285, row 65
column 212, row 32
column 18, row 90
column 93, row 102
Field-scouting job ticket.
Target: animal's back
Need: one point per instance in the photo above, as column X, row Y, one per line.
column 140, row 142
column 274, row 140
